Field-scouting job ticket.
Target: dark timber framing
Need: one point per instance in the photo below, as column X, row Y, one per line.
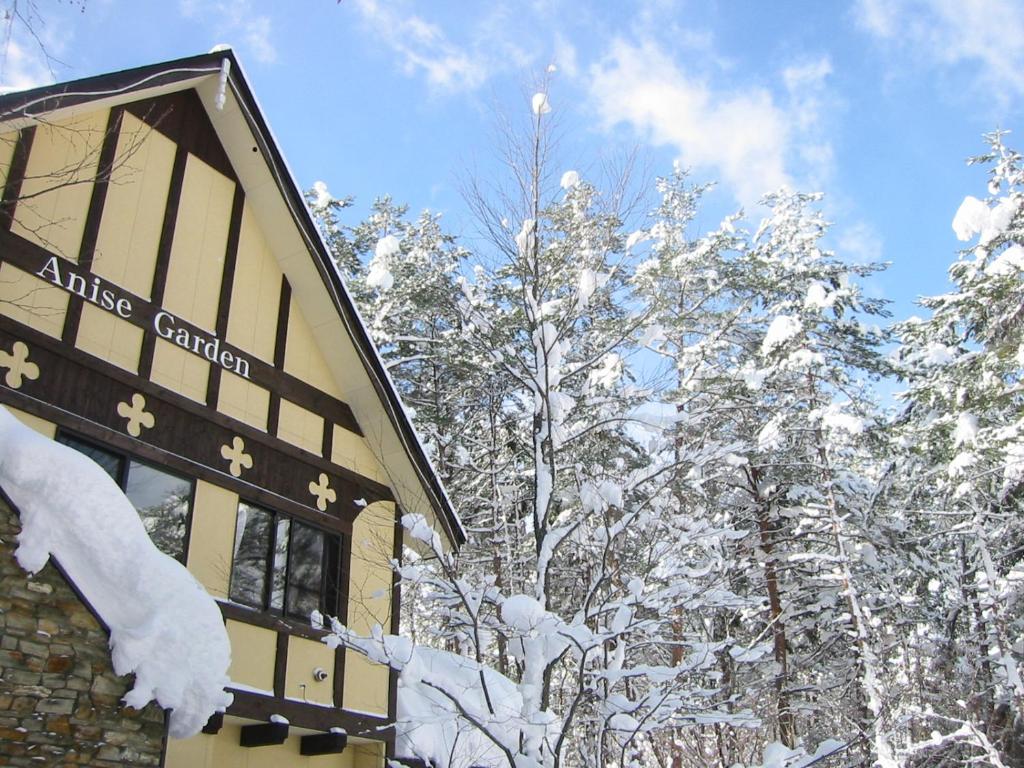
column 31, row 258
column 284, row 306
column 20, row 108
column 16, row 176
column 81, row 393
column 227, row 284
column 94, row 217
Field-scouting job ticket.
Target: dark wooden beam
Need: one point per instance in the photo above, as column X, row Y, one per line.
column 332, row 743
column 254, row 706
column 15, row 176
column 263, row 735
column 214, row 724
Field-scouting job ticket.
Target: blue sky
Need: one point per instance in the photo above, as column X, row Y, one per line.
column 874, row 102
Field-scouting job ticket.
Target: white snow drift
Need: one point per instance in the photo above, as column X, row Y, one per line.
column 164, row 628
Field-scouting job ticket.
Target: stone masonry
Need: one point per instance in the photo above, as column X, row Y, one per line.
column 60, row 701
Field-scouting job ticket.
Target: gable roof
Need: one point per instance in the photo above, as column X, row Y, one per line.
column 289, row 228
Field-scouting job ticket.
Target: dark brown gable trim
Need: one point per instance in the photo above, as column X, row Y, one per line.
column 94, row 217
column 40, row 101
column 32, row 258
column 16, row 176
column 182, row 118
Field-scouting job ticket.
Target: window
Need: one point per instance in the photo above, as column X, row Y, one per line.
column 283, row 565
column 163, row 500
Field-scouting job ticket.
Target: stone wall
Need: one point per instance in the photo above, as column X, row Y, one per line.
column 60, row 701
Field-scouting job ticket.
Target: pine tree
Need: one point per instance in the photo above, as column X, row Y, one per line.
column 960, row 438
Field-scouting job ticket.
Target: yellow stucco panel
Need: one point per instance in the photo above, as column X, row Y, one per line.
column 7, row 143
column 241, row 399
column 366, row 685
column 351, row 451
column 370, row 577
column 55, row 194
column 33, row 302
column 133, row 212
column 109, row 338
column 42, row 426
column 212, row 537
column 367, row 755
column 300, row 427
column 223, row 751
column 256, row 293
column 200, row 240
column 253, row 650
column 305, row 658
column 180, row 371
column 302, row 356
column 369, row 591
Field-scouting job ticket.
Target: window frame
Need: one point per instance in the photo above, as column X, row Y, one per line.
column 339, row 588
column 126, row 458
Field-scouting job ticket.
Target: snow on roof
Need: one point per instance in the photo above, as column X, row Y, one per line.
column 164, row 628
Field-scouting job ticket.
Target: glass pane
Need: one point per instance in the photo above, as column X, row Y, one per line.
column 110, row 462
column 252, row 547
column 278, row 570
column 305, row 569
column 162, row 501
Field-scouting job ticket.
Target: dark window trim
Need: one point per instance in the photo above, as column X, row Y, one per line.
column 127, row 457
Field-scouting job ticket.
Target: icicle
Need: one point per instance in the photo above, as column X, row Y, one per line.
column 222, row 86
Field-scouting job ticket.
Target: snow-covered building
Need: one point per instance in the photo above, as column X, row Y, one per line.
column 168, row 308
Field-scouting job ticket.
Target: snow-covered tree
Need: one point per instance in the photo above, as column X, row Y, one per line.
column 960, row 441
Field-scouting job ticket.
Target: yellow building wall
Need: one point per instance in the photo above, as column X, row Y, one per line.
column 133, row 212
column 200, row 240
column 223, row 751
column 55, row 194
column 300, row 427
column 212, row 538
column 180, row 371
column 304, row 658
column 302, row 357
column 351, row 451
column 366, row 683
column 252, row 321
column 253, row 650
column 30, row 301
column 243, row 400
column 109, row 338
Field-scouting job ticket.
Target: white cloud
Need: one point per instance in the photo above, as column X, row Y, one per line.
column 33, row 49
column 756, row 142
column 859, row 242
column 986, row 33
column 23, row 67
column 422, row 47
column 565, row 57
column 229, row 18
